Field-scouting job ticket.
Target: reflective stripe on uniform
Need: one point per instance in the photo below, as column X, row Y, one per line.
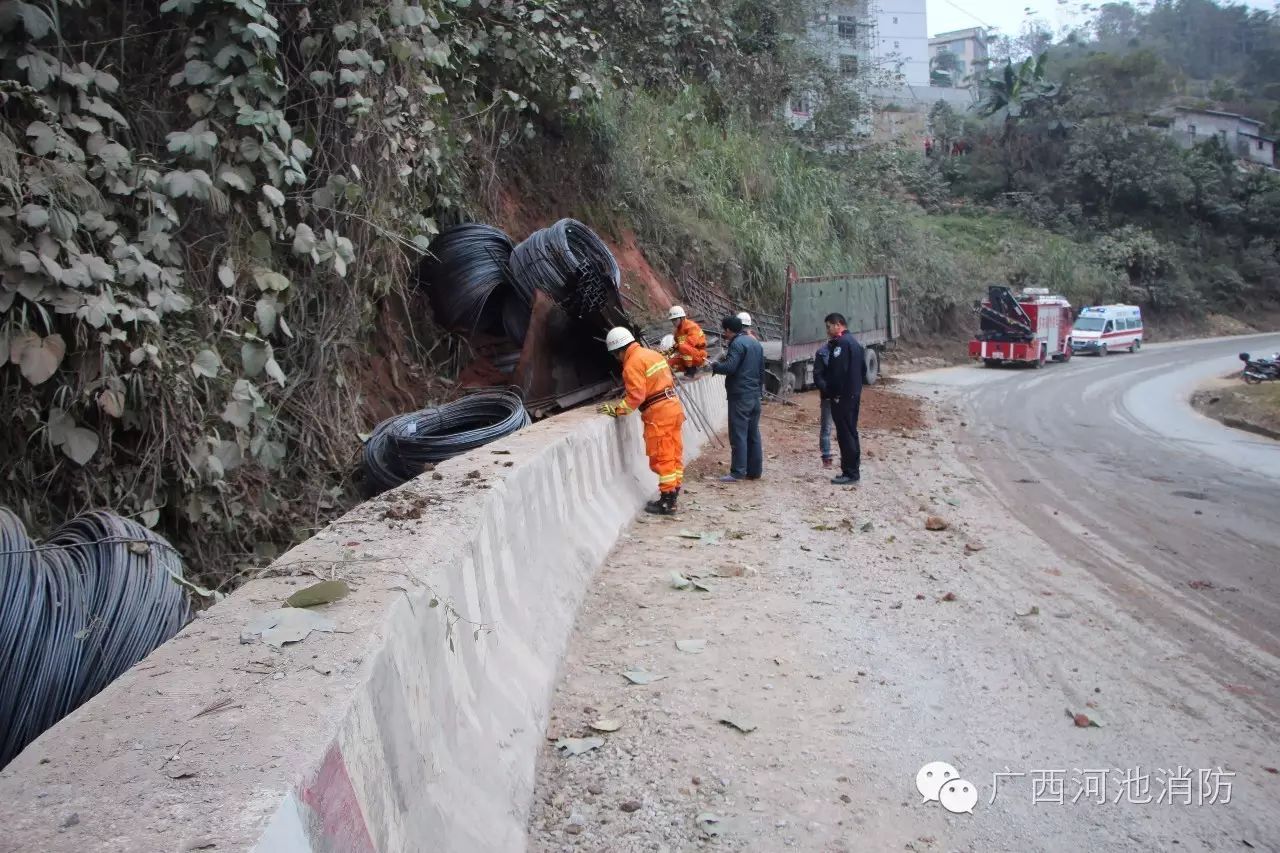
column 671, row 478
column 656, row 367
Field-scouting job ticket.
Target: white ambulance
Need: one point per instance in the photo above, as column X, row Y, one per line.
column 1106, row 328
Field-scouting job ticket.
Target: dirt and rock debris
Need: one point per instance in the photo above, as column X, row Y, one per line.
column 1252, row 408
column 803, row 650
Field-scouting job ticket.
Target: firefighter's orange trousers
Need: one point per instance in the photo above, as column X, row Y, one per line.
column 664, row 443
column 680, row 361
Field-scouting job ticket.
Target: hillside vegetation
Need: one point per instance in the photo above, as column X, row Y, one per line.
column 214, row 208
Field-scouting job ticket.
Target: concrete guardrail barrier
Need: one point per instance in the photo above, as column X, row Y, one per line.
column 415, row 725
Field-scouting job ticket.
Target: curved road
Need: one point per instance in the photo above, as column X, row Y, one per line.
column 1107, row 462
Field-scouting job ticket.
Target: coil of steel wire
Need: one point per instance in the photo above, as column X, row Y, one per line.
column 400, row 448
column 515, row 317
column 467, row 277
column 75, row 613
column 570, row 264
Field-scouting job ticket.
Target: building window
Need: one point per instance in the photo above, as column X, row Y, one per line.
column 801, row 105
column 849, row 66
column 1191, row 129
column 897, row 45
column 895, row 20
column 847, row 27
column 1259, row 144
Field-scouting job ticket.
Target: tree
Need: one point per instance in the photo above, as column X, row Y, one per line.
column 946, row 127
column 1017, row 96
column 1113, row 169
column 1139, row 255
column 944, row 68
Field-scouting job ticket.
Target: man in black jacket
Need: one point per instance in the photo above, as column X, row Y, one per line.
column 743, row 369
column 842, row 379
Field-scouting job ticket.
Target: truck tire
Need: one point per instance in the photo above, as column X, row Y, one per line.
column 1102, row 351
column 991, row 362
column 1136, row 345
column 871, row 367
column 798, row 377
column 1039, row 362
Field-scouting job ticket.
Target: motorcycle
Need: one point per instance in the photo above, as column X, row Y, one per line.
column 1260, row 369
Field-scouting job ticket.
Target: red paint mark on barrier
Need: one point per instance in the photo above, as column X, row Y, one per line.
column 332, row 799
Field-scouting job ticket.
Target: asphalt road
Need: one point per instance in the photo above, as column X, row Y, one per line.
column 1177, row 515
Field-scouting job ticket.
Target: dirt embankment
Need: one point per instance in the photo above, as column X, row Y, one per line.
column 1253, row 408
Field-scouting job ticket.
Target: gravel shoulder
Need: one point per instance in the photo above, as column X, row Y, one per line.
column 858, row 646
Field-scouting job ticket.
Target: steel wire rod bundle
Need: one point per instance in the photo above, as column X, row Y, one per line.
column 400, row 448
column 467, row 277
column 75, row 613
column 557, row 260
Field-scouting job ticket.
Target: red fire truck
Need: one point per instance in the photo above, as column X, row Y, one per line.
column 1029, row 328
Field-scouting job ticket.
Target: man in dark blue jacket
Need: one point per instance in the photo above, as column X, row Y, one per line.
column 825, row 423
column 842, row 379
column 743, row 369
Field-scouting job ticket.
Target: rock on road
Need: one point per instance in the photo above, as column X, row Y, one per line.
column 857, row 646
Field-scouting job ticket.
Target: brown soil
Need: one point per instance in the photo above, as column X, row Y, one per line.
column 1253, row 408
column 793, row 428
column 926, row 352
column 519, row 217
column 639, row 279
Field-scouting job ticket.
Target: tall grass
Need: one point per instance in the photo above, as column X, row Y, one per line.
column 735, row 202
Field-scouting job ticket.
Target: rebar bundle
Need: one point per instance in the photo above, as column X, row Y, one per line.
column 400, row 448
column 467, row 278
column 75, row 613
column 570, row 264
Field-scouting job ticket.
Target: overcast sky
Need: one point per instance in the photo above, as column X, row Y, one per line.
column 1009, row 15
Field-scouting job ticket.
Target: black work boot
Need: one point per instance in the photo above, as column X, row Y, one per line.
column 671, row 502
column 664, row 505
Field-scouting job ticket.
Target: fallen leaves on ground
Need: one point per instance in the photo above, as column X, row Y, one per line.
column 286, row 625
column 744, row 726
column 1082, row 721
column 606, row 725
column 639, row 676
column 577, row 746
column 709, row 824
column 325, row 592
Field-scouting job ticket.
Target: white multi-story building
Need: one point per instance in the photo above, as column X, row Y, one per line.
column 844, row 33
column 969, row 47
column 902, row 39
column 873, row 40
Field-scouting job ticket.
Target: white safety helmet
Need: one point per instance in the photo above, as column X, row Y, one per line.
column 668, row 342
column 676, row 313
column 618, row 338
column 745, row 318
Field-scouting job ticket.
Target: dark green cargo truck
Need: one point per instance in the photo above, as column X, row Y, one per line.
column 868, row 302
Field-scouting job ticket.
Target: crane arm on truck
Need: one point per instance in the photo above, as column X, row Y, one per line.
column 1002, row 318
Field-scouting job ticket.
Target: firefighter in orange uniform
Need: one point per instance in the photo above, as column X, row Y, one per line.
column 651, row 388
column 691, row 344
